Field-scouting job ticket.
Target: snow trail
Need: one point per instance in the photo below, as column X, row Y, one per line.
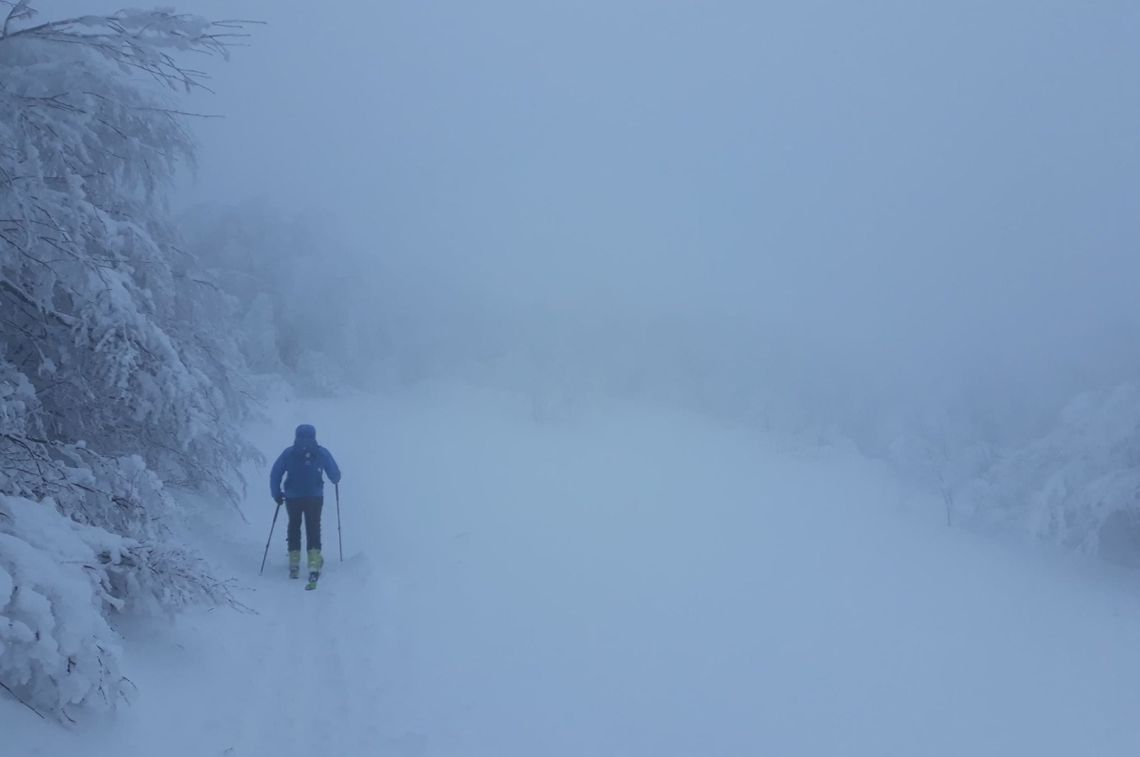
column 627, row 583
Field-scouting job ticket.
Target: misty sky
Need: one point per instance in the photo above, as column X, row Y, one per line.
column 948, row 181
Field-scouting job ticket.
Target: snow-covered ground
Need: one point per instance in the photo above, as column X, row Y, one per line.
column 624, row 582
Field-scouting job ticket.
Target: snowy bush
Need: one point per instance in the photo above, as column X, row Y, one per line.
column 1077, row 485
column 119, row 374
column 58, row 581
column 56, row 648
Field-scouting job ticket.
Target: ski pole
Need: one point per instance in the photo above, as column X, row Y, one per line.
column 273, row 526
column 339, row 541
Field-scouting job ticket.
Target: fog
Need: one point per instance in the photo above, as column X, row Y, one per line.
column 906, row 195
column 677, row 355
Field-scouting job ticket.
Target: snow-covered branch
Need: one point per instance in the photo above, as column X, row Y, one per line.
column 118, row 381
column 143, row 41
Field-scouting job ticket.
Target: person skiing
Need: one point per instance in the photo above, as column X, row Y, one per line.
column 303, row 467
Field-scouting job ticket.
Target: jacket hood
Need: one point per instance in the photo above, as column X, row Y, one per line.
column 306, row 433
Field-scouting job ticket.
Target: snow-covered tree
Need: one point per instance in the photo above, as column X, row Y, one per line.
column 310, row 307
column 118, row 379
column 1078, row 485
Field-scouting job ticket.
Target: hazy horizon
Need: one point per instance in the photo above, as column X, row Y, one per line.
column 912, row 194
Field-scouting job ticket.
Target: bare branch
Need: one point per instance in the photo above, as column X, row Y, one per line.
column 21, row 701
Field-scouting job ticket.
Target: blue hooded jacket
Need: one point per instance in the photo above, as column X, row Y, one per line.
column 295, row 485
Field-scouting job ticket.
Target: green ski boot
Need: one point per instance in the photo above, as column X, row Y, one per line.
column 316, row 562
column 295, row 564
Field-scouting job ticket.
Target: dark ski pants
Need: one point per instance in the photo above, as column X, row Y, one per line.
column 310, row 509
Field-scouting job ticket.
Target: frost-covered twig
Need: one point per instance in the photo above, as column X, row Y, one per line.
column 140, row 40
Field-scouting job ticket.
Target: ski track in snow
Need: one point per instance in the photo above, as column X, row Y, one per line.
column 626, row 583
column 319, row 671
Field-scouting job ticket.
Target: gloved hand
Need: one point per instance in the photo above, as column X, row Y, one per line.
column 279, row 499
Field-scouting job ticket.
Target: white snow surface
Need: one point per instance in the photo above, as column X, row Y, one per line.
column 624, row 582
